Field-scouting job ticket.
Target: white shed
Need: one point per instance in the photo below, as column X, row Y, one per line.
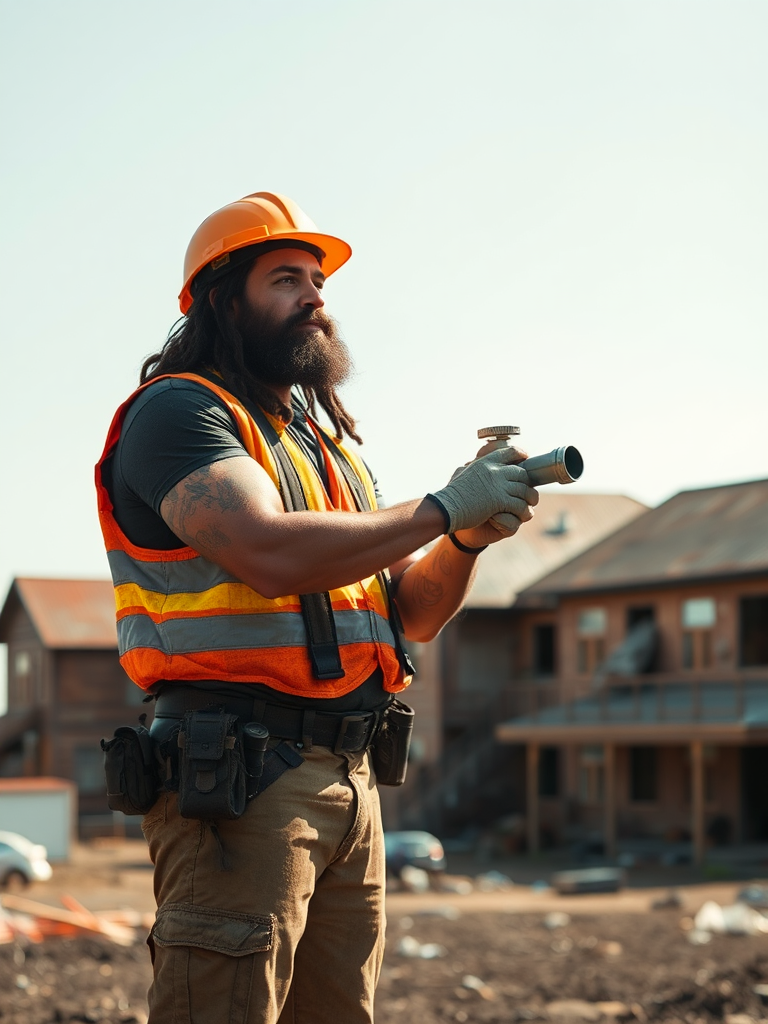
column 42, row 810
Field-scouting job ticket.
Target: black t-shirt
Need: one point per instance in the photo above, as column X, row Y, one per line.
column 173, row 428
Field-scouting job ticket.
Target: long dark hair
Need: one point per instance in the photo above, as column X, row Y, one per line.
column 207, row 338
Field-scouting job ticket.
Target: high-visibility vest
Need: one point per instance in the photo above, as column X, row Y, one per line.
column 182, row 617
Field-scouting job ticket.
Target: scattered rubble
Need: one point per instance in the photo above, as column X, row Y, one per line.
column 556, row 919
column 472, row 967
column 588, row 880
column 493, row 881
column 25, row 919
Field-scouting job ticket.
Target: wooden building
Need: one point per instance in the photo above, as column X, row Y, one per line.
column 66, row 688
column 464, row 682
column 641, row 690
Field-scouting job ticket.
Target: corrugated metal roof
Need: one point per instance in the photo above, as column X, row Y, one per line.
column 702, row 534
column 69, row 613
column 564, row 525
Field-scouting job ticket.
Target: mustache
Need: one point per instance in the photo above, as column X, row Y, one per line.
column 316, row 316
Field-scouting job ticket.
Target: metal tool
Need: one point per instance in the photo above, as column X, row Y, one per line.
column 560, row 466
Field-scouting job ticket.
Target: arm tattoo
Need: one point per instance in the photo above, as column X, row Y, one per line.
column 426, row 590
column 212, row 538
column 195, row 492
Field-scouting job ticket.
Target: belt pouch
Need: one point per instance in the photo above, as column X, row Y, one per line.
column 255, row 737
column 132, row 772
column 212, row 777
column 392, row 743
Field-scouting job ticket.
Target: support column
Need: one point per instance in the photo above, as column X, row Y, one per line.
column 697, row 800
column 609, row 802
column 532, row 796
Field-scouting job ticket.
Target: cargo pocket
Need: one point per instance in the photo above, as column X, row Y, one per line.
column 204, row 960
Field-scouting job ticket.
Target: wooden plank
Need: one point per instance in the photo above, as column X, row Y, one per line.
column 532, row 796
column 697, row 800
column 609, row 782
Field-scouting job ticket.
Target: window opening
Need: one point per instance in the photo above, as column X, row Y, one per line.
column 643, row 773
column 754, row 630
column 590, row 653
column 544, row 654
column 549, row 771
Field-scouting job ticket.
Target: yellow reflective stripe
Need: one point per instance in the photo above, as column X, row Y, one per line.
column 229, row 596
column 312, row 485
column 232, row 597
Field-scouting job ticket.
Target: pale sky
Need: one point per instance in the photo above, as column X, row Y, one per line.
column 558, row 211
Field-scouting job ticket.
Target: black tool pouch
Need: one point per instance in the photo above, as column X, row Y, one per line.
column 390, row 748
column 131, row 769
column 255, row 738
column 212, row 777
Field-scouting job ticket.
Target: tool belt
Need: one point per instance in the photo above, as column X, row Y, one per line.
column 351, row 733
column 217, row 758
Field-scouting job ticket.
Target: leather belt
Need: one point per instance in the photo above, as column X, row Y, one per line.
column 351, row 733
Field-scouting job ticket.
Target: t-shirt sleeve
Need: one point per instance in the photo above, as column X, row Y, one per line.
column 172, row 429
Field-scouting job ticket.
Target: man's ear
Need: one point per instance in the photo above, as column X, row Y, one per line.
column 212, row 295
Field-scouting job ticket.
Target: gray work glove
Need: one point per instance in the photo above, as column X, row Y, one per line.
column 483, row 488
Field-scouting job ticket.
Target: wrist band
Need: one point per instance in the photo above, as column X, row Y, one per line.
column 443, row 509
column 463, row 547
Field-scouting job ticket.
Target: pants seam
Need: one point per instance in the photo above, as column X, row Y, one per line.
column 356, row 828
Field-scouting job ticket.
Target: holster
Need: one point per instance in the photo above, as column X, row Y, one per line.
column 131, row 769
column 389, row 753
column 212, row 773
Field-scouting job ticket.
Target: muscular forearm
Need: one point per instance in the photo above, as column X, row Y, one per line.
column 431, row 590
column 279, row 553
column 317, row 551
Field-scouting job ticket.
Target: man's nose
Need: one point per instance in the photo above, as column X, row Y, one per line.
column 312, row 296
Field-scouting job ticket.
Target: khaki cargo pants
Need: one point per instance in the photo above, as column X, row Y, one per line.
column 293, row 931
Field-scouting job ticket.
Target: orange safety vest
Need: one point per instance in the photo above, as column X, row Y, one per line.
column 182, row 617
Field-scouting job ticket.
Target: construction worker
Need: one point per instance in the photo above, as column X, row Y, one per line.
column 261, row 592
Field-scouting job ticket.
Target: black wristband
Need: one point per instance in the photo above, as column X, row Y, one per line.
column 463, row 547
column 443, row 509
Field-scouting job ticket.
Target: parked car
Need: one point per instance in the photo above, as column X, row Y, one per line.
column 22, row 862
column 418, row 849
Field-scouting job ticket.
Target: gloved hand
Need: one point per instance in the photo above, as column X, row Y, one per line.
column 485, row 487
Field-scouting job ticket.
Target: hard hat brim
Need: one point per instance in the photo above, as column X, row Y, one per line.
column 336, row 252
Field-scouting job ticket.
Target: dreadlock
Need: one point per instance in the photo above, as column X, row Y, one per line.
column 207, row 337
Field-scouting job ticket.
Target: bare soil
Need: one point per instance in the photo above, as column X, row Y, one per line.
column 616, row 959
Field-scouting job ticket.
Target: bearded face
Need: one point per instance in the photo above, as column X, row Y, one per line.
column 304, row 349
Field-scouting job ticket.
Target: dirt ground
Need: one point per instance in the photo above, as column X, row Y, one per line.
column 487, row 956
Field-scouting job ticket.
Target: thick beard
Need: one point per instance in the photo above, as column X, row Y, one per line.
column 286, row 354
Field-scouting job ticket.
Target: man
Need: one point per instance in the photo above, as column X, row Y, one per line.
column 249, row 560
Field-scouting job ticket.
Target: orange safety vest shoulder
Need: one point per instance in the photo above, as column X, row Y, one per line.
column 182, row 617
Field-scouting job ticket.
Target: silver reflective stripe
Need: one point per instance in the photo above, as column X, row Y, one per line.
column 188, row 577
column 243, row 632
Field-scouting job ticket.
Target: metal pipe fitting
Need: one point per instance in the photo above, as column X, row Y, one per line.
column 560, row 466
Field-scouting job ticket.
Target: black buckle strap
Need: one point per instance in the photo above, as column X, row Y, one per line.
column 342, row 733
column 364, row 505
column 316, row 609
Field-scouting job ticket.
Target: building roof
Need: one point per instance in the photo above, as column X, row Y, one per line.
column 565, row 524
column 28, row 784
column 696, row 535
column 649, row 711
column 66, row 613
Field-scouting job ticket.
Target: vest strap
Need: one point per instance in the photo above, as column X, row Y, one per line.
column 316, row 609
column 364, row 505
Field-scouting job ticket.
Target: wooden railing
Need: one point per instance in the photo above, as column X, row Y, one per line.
column 669, row 696
column 467, row 760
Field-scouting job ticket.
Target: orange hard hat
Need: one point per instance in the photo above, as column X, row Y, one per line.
column 264, row 217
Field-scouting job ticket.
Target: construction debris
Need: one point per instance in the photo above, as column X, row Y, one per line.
column 22, row 918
